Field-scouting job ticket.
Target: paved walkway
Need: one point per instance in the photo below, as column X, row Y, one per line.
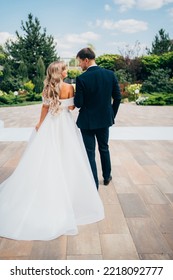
column 116, row 133
column 138, row 202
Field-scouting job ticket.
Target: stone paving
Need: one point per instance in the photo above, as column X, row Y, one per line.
column 138, row 202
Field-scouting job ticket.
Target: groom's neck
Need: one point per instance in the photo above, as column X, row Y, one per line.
column 91, row 63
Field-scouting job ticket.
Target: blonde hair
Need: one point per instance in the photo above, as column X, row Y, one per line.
column 52, row 85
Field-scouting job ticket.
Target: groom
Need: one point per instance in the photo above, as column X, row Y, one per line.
column 95, row 90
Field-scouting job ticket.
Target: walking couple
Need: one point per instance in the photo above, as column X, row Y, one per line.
column 55, row 185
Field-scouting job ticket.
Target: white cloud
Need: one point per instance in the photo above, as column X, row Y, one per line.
column 170, row 11
column 125, row 4
column 152, row 4
column 142, row 4
column 85, row 37
column 69, row 43
column 107, row 7
column 4, row 36
column 125, row 26
column 62, row 43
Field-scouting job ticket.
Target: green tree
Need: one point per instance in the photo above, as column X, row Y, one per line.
column 161, row 44
column 136, row 70
column 23, row 72
column 40, row 75
column 3, row 56
column 130, row 61
column 31, row 45
column 9, row 81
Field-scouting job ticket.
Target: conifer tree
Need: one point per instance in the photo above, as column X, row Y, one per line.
column 161, row 44
column 40, row 75
column 31, row 45
column 23, row 72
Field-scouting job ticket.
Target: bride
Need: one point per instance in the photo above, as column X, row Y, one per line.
column 52, row 190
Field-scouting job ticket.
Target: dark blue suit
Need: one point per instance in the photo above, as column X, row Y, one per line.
column 98, row 97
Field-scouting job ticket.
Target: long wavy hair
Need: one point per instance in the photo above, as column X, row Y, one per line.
column 52, row 85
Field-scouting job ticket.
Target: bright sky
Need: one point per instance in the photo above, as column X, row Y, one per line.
column 108, row 25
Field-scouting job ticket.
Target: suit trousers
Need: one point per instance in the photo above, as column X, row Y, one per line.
column 102, row 136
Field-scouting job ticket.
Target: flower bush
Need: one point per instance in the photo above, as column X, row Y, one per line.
column 133, row 91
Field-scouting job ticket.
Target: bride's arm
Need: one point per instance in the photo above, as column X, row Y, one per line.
column 44, row 111
column 71, row 94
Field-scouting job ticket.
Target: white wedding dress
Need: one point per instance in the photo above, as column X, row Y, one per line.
column 52, row 190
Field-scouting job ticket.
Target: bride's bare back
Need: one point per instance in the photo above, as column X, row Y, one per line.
column 66, row 91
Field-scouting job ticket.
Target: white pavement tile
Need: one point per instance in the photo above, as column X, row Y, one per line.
column 141, row 133
column 1, row 124
column 116, row 133
column 15, row 134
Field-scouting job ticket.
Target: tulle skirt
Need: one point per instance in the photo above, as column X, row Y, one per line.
column 52, row 190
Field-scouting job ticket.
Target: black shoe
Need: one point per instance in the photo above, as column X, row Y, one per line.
column 107, row 181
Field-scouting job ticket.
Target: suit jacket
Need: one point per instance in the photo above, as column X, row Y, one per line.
column 98, row 97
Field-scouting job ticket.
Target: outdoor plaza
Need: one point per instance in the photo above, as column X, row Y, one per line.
column 138, row 202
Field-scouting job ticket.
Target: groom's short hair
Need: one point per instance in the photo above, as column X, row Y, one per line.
column 86, row 53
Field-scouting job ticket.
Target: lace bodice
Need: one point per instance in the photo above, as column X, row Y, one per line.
column 64, row 104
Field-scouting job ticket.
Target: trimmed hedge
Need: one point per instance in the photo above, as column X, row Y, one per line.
column 156, row 99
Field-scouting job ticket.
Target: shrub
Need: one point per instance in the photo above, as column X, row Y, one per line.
column 2, row 93
column 3, row 100
column 73, row 73
column 156, row 99
column 158, row 81
column 107, row 61
column 32, row 96
column 141, row 100
column 133, row 91
column 153, row 62
column 7, row 99
column 123, row 76
column 29, row 86
column 169, row 99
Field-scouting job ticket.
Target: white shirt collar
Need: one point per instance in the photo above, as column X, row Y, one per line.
column 92, row 65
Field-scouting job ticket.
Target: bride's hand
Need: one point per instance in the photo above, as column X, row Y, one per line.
column 37, row 126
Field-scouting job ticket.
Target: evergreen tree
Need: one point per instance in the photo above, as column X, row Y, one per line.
column 161, row 44
column 32, row 45
column 40, row 75
column 9, row 81
column 23, row 72
column 3, row 56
